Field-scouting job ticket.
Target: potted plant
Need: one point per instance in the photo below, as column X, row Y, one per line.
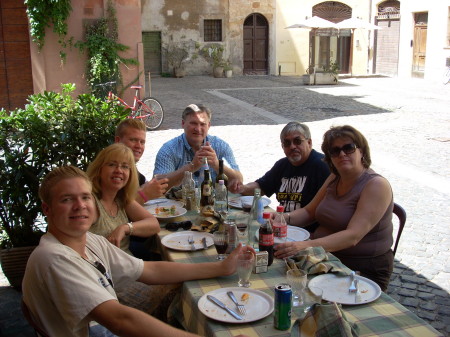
column 329, row 75
column 213, row 53
column 176, row 54
column 228, row 69
column 52, row 130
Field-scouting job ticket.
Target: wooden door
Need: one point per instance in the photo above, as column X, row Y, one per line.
column 16, row 81
column 387, row 40
column 419, row 44
column 256, row 41
column 152, row 52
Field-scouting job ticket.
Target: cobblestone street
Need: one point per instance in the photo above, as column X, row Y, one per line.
column 406, row 122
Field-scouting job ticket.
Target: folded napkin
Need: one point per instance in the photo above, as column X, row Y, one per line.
column 315, row 260
column 324, row 320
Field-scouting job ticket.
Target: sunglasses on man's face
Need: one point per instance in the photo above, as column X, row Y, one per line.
column 296, row 141
column 174, row 226
column 347, row 148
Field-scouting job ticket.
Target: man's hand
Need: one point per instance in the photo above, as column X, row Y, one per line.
column 208, row 152
column 235, row 186
column 155, row 188
column 229, row 265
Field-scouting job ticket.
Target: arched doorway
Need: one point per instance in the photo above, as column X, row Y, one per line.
column 256, row 45
column 327, row 45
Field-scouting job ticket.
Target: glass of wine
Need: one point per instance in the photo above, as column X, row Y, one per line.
column 221, row 243
column 241, row 220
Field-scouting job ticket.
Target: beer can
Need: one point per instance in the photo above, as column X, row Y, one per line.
column 283, row 302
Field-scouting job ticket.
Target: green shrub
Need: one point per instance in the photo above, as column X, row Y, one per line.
column 53, row 130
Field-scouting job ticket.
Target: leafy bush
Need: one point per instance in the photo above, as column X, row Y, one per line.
column 53, row 130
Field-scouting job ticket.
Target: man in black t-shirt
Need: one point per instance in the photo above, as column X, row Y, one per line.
column 296, row 178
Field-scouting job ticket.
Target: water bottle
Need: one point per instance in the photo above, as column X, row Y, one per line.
column 255, row 219
column 221, row 199
column 279, row 226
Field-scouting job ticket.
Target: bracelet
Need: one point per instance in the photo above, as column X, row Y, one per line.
column 143, row 196
column 130, row 227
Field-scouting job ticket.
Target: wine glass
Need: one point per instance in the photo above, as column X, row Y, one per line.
column 221, row 243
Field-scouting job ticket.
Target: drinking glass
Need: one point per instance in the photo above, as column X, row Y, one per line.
column 245, row 264
column 241, row 220
column 311, row 296
column 221, row 243
column 297, row 278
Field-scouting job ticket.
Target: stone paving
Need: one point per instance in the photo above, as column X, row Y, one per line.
column 406, row 123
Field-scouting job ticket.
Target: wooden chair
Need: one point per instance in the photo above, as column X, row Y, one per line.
column 401, row 214
column 26, row 312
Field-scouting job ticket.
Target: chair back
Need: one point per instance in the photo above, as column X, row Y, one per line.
column 26, row 312
column 401, row 214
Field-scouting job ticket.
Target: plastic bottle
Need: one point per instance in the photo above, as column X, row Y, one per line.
column 279, row 226
column 188, row 192
column 266, row 239
column 221, row 199
column 255, row 218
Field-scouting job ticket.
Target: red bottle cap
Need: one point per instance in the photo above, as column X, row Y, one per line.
column 280, row 209
column 266, row 215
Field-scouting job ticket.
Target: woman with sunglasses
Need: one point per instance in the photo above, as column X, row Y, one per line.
column 353, row 208
column 115, row 181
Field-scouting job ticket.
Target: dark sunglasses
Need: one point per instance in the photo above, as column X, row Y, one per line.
column 101, row 268
column 174, row 226
column 347, row 148
column 296, row 141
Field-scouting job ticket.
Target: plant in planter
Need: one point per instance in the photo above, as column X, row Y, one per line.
column 228, row 69
column 53, row 130
column 176, row 55
column 213, row 53
column 332, row 70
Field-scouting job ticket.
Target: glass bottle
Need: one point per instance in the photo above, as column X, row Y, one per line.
column 222, row 175
column 207, row 195
column 230, row 228
column 204, row 167
column 188, row 191
column 279, row 226
column 266, row 239
column 255, row 218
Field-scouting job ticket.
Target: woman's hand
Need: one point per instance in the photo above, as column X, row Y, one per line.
column 118, row 234
column 288, row 249
column 229, row 265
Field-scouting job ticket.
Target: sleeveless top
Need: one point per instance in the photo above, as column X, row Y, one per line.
column 106, row 223
column 334, row 213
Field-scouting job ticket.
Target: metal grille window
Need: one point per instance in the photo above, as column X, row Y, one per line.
column 213, row 30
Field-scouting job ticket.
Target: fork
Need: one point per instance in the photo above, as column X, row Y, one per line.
column 240, row 307
column 191, row 242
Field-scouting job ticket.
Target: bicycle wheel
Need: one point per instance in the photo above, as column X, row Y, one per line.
column 151, row 112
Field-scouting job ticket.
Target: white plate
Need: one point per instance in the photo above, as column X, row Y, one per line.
column 179, row 211
column 179, row 240
column 237, row 201
column 258, row 305
column 335, row 289
column 163, row 202
column 293, row 234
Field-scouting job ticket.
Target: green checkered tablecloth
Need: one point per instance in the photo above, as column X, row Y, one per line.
column 383, row 317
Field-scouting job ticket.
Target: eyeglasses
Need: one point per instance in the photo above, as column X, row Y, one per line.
column 347, row 148
column 174, row 226
column 124, row 167
column 101, row 268
column 296, row 141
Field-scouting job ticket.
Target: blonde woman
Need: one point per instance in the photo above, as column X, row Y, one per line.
column 115, row 181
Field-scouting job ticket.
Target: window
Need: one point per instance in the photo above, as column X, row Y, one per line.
column 213, row 30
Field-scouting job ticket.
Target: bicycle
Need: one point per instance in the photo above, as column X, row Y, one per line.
column 148, row 109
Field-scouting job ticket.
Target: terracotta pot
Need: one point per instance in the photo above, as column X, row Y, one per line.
column 218, row 72
column 179, row 72
column 14, row 261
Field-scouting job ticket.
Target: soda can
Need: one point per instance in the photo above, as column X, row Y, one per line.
column 283, row 302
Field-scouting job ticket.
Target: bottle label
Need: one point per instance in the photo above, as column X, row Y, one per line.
column 265, row 239
column 279, row 230
column 206, row 190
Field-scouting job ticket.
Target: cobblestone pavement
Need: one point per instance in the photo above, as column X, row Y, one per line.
column 407, row 124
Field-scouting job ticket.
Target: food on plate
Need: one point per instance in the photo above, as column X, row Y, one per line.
column 245, row 297
column 164, row 211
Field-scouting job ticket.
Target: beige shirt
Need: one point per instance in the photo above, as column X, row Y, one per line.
column 106, row 223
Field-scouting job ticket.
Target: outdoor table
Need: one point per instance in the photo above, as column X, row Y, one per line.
column 382, row 317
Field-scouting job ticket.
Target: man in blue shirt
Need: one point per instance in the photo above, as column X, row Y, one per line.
column 186, row 152
column 295, row 178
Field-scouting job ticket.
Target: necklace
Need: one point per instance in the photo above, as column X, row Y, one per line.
column 111, row 211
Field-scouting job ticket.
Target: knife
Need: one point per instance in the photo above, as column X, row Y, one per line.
column 223, row 306
column 205, row 245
